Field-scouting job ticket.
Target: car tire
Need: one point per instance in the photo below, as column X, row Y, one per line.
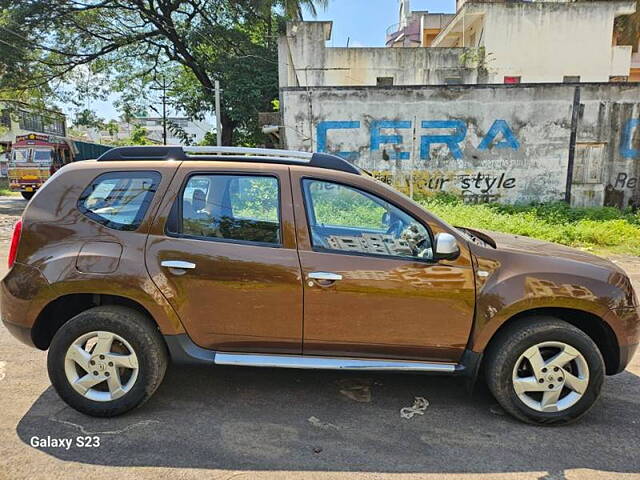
column 544, row 389
column 27, row 195
column 104, row 347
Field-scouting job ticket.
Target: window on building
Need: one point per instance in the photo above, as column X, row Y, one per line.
column 429, row 35
column 384, row 81
column 5, row 118
column 453, row 81
column 618, row 78
column 512, row 79
column 571, row 79
column 36, row 122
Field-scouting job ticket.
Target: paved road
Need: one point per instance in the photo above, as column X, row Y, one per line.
column 228, row 423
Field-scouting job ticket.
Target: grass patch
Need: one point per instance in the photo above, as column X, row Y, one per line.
column 4, row 188
column 599, row 229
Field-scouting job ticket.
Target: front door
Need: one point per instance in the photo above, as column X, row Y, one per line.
column 223, row 253
column 371, row 286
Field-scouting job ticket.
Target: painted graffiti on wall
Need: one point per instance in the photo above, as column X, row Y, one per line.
column 477, row 187
column 627, row 149
column 457, row 133
column 499, row 130
column 473, row 186
column 483, row 143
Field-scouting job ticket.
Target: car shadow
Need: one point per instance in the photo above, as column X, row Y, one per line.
column 267, row 419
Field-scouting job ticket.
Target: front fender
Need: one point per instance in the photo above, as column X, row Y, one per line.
column 504, row 295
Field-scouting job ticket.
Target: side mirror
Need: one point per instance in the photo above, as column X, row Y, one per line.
column 446, row 247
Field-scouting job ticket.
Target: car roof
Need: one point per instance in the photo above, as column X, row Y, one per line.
column 229, row 154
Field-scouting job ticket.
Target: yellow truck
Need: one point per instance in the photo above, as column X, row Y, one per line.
column 35, row 157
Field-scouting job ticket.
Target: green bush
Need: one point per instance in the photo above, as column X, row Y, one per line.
column 596, row 228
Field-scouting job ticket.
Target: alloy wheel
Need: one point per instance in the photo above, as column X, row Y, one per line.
column 101, row 366
column 550, row 376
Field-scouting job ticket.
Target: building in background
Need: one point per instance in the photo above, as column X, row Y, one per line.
column 180, row 130
column 634, row 74
column 483, row 42
column 541, row 41
column 306, row 61
column 416, row 28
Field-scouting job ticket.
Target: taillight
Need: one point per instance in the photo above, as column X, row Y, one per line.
column 15, row 241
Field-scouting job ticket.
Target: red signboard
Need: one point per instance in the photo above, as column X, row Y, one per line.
column 39, row 140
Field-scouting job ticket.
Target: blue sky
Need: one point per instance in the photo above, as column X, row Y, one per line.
column 365, row 22
column 362, row 22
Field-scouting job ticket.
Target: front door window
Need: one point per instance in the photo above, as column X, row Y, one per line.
column 348, row 220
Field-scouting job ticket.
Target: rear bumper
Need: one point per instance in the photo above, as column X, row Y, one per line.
column 20, row 332
column 23, row 295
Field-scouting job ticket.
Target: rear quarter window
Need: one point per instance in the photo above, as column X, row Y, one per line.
column 119, row 200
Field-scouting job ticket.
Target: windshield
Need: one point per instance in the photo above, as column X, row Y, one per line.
column 21, row 155
column 42, row 156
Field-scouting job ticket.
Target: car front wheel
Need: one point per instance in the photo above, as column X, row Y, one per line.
column 544, row 370
column 107, row 360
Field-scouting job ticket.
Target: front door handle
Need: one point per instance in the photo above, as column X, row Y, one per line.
column 327, row 276
column 178, row 264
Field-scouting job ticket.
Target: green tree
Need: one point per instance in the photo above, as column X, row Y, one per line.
column 88, row 118
column 133, row 43
column 139, row 136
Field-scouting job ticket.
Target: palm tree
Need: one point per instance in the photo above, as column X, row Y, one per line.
column 294, row 8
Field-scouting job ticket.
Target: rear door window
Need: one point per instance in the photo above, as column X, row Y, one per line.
column 241, row 208
column 119, row 200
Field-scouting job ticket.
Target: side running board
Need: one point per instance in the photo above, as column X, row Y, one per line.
column 328, row 363
column 184, row 351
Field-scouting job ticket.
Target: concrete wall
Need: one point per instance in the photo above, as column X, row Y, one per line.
column 486, row 143
column 305, row 60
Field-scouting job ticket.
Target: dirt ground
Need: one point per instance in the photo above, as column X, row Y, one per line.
column 242, row 423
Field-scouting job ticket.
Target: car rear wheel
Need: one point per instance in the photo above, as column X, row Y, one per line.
column 544, row 370
column 107, row 360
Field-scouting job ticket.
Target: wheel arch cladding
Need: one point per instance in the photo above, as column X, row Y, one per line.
column 59, row 311
column 595, row 327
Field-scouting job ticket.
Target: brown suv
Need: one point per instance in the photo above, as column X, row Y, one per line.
column 272, row 258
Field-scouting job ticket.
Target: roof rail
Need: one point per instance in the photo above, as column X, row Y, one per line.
column 155, row 152
column 244, row 153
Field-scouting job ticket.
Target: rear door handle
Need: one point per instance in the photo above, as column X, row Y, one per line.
column 178, row 264
column 331, row 277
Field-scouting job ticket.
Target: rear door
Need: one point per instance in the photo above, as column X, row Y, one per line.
column 371, row 286
column 223, row 252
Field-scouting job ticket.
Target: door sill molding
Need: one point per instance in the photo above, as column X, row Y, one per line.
column 183, row 351
column 329, row 363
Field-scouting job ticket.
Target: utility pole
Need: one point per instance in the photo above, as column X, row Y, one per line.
column 164, row 110
column 218, row 121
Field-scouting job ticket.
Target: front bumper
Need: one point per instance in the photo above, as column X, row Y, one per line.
column 626, row 354
column 627, row 331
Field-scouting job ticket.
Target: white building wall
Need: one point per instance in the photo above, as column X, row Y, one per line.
column 544, row 41
column 305, row 60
